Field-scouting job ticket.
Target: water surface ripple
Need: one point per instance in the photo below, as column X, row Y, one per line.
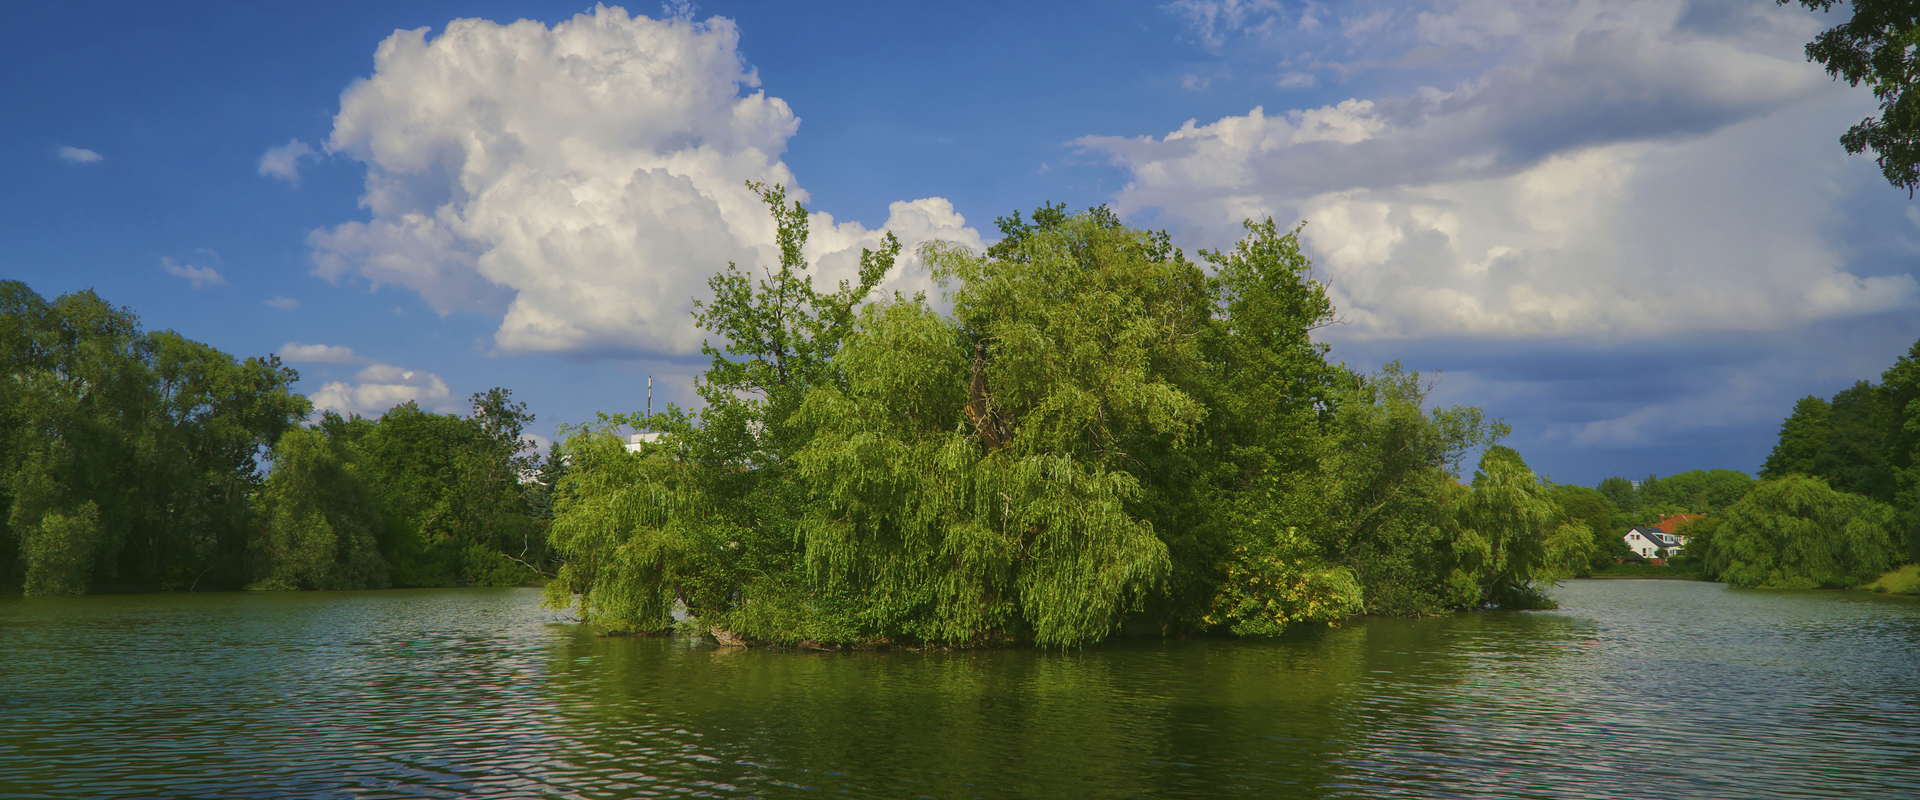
column 1633, row 689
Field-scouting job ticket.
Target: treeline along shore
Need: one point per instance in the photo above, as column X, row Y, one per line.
column 147, row 461
column 1099, row 433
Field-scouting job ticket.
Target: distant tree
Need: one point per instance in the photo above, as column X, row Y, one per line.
column 1696, row 491
column 1620, row 493
column 1590, row 508
column 549, row 474
column 455, row 489
column 320, row 519
column 1724, row 487
column 1876, row 47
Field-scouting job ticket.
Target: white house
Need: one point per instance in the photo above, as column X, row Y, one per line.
column 1651, row 542
column 634, row 441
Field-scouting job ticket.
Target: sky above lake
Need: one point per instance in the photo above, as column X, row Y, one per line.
column 1625, row 227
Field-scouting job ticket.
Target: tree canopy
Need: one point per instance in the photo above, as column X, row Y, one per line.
column 148, row 460
column 1838, row 501
column 1100, row 433
column 1798, row 533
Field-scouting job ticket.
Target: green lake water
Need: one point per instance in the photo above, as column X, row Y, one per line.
column 1634, row 688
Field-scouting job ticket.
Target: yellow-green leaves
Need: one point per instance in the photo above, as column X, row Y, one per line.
column 1798, row 533
column 622, row 518
column 1099, row 429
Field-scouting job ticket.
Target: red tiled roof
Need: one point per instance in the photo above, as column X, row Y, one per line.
column 1673, row 523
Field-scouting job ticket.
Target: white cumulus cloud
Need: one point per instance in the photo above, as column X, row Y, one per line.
column 582, row 181
column 1621, row 168
column 283, row 162
column 201, row 275
column 78, row 155
column 379, row 387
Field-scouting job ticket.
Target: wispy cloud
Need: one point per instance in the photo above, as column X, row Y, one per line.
column 301, row 353
column 201, row 275
column 79, row 155
column 283, row 303
column 1213, row 20
column 283, row 162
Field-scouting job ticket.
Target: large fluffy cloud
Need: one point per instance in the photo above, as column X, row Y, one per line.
column 1615, row 169
column 582, row 180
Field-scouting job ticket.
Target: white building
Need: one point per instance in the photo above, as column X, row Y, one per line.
column 634, row 441
column 1651, row 542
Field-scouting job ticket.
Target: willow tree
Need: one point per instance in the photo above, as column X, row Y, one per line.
column 709, row 519
column 1798, row 533
column 1510, row 539
column 1100, row 429
column 972, row 471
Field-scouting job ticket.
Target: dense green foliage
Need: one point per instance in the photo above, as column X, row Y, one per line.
column 147, row 460
column 1797, row 533
column 1802, row 438
column 458, row 509
column 320, row 519
column 1100, row 432
column 127, row 457
column 1863, row 441
column 1876, row 47
column 1591, row 508
column 1696, row 492
column 1837, row 507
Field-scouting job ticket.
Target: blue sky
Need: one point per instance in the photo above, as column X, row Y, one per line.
column 1624, row 226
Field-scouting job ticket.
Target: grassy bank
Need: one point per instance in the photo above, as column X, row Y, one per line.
column 1905, row 580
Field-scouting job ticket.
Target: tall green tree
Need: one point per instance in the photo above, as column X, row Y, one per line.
column 1002, row 505
column 718, row 514
column 160, row 436
column 1900, row 396
column 457, row 490
column 1802, row 436
column 1854, row 457
column 1510, row 541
